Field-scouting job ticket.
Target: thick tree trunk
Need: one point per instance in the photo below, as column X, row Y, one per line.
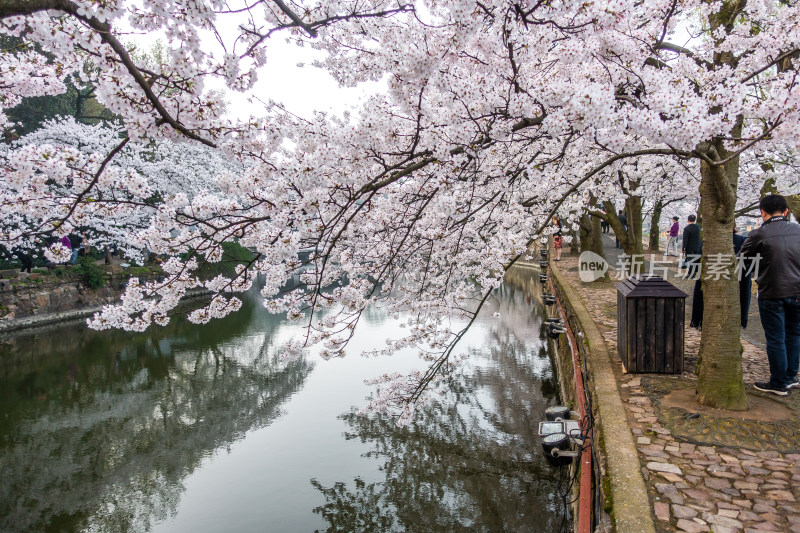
column 586, row 236
column 630, row 240
column 597, row 237
column 592, row 237
column 654, row 244
column 719, row 367
column 633, row 210
column 794, row 205
column 769, row 188
column 574, row 246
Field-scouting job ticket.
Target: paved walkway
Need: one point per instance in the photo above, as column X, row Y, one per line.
column 706, row 470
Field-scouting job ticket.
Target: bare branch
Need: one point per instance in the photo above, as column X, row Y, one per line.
column 767, row 132
column 598, row 168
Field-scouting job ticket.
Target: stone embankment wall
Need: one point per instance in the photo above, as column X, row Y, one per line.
column 623, row 497
column 28, row 300
column 566, row 375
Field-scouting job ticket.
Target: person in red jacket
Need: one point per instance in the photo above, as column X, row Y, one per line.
column 558, row 242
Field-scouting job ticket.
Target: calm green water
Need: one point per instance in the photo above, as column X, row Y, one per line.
column 202, row 428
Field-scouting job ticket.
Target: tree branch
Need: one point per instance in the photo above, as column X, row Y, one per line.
column 684, row 51
column 96, row 177
column 104, row 30
column 758, row 139
column 9, row 8
column 292, row 15
column 770, row 64
column 15, row 8
column 743, row 211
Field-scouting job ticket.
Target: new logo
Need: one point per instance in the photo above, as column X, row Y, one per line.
column 591, row 267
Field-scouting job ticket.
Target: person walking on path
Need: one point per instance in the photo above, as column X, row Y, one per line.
column 674, row 231
column 691, row 248
column 775, row 247
column 624, row 221
column 603, row 224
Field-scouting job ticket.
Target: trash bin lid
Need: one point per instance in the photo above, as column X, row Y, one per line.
column 648, row 287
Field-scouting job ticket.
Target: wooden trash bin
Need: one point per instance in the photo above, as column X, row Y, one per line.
column 650, row 322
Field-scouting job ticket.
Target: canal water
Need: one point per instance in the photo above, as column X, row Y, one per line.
column 204, row 428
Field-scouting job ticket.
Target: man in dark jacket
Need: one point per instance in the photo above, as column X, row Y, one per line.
column 691, row 248
column 775, row 246
column 624, row 221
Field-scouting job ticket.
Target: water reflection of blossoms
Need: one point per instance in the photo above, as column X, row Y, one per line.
column 470, row 460
column 108, row 448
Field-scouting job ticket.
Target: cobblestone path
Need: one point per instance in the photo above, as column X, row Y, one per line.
column 706, row 470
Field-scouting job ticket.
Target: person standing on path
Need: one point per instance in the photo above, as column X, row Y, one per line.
column 691, row 248
column 558, row 242
column 66, row 244
column 624, row 221
column 25, row 259
column 775, row 246
column 674, row 231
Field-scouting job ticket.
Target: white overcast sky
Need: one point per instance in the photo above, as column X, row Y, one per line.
column 301, row 89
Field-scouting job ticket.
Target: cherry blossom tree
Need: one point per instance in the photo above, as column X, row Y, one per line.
column 496, row 116
column 151, row 171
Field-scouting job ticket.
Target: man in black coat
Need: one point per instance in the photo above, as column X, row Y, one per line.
column 624, row 221
column 691, row 248
column 775, row 247
column 25, row 259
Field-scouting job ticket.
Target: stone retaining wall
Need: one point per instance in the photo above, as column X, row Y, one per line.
column 567, row 383
column 28, row 300
column 624, row 493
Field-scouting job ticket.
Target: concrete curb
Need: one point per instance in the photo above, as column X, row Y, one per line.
column 47, row 319
column 631, row 506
